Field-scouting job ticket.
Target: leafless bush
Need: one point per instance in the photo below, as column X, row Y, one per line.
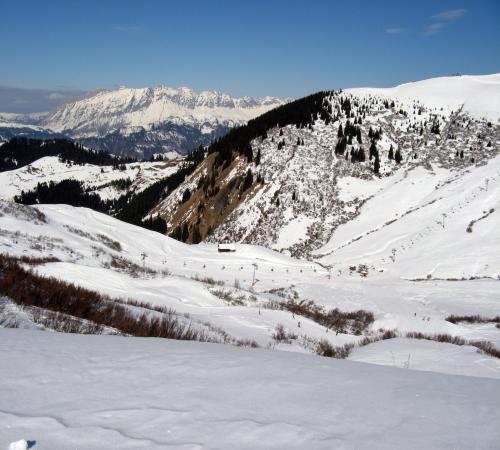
column 355, row 322
column 483, row 346
column 280, row 334
column 472, row 319
column 247, row 343
column 26, row 288
column 64, row 323
column 208, row 280
column 29, row 213
column 324, row 348
column 133, row 269
column 382, row 336
column 228, row 296
column 440, row 337
column 34, row 261
column 112, row 244
column 487, row 347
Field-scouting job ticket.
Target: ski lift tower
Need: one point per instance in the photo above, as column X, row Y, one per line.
column 254, row 280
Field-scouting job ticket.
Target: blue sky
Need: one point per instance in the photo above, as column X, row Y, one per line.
column 259, row 47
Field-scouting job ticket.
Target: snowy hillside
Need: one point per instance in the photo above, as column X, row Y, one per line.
column 98, row 392
column 245, row 297
column 438, row 339
column 423, row 223
column 309, row 179
column 479, row 95
column 102, row 180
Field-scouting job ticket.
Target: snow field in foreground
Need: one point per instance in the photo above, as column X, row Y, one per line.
column 94, row 392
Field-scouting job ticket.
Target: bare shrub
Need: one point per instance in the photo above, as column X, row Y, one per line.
column 112, row 244
column 439, row 337
column 246, row 343
column 228, row 296
column 472, row 319
column 133, row 269
column 355, row 322
column 33, row 261
column 26, row 288
column 324, row 348
column 487, row 347
column 382, row 336
column 208, row 280
column 483, row 346
column 280, row 334
column 64, row 323
column 29, row 213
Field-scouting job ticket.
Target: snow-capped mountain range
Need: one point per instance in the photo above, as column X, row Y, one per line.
column 144, row 121
column 126, row 110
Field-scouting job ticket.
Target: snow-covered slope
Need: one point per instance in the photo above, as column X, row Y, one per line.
column 479, row 95
column 236, row 296
column 101, row 180
column 424, row 223
column 98, row 392
column 304, row 189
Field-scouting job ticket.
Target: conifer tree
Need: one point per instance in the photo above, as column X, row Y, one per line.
column 398, row 157
column 248, row 180
column 373, row 150
column 376, row 166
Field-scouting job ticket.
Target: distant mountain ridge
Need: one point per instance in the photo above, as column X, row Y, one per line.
column 127, row 109
column 144, row 121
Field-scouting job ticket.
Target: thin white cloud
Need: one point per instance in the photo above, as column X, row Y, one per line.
column 127, row 30
column 434, row 28
column 451, row 14
column 56, row 96
column 394, row 30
